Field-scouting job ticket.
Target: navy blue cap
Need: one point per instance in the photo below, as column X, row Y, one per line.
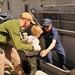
column 47, row 22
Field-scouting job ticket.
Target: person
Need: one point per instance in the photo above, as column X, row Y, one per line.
column 10, row 31
column 36, row 31
column 52, row 42
column 33, row 39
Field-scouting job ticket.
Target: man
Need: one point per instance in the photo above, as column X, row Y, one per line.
column 52, row 42
column 10, row 31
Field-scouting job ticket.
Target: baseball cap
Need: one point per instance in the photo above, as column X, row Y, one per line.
column 47, row 22
column 28, row 16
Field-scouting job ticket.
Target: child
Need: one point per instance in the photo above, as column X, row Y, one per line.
column 36, row 31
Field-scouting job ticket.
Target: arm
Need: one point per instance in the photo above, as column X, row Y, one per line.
column 54, row 39
column 52, row 45
column 16, row 39
column 45, row 52
column 34, row 41
column 12, row 28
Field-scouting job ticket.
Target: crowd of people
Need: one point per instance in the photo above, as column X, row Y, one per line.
column 31, row 45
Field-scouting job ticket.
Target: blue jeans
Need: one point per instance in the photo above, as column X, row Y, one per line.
column 61, row 54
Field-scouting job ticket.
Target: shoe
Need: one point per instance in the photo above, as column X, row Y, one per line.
column 64, row 68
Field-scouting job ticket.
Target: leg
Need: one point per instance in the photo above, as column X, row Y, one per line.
column 25, row 63
column 2, row 59
column 50, row 57
column 61, row 54
column 13, row 56
column 61, row 60
column 33, row 64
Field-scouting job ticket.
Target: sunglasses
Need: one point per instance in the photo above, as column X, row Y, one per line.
column 46, row 26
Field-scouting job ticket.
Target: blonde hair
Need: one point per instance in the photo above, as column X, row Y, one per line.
column 36, row 30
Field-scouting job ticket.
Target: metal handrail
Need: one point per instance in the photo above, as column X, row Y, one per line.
column 54, row 12
column 34, row 18
column 73, row 22
column 66, row 31
column 61, row 5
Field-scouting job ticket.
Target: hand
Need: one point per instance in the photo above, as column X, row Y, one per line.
column 44, row 53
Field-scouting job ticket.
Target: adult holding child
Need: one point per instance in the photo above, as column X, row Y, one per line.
column 10, row 31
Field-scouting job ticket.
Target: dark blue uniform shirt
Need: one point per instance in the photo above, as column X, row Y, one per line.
column 49, row 36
